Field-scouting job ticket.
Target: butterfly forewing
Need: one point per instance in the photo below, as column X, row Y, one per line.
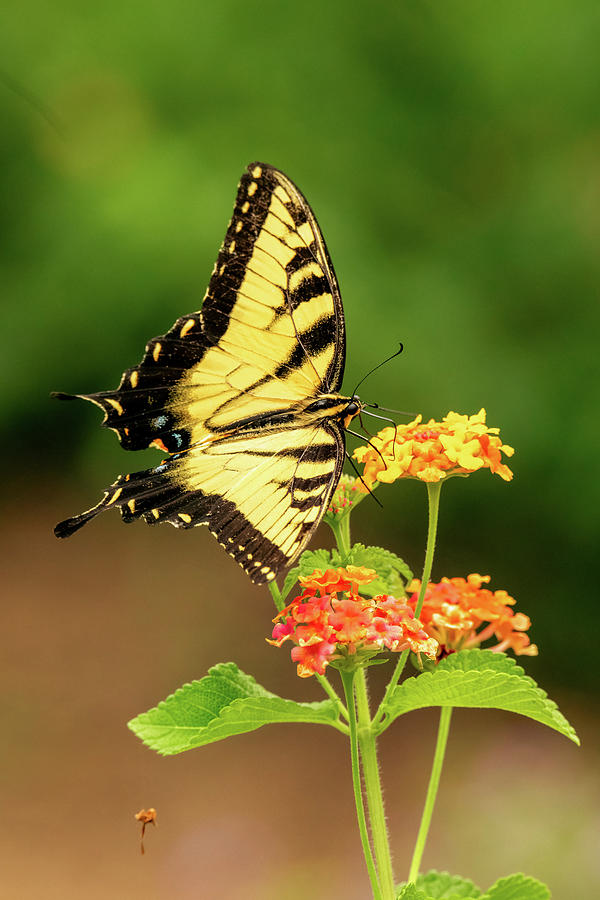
column 269, row 334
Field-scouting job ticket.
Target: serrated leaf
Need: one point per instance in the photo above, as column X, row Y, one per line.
column 412, row 892
column 223, row 703
column 318, row 559
column 518, row 887
column 479, row 679
column 392, row 572
column 443, row 886
column 468, row 660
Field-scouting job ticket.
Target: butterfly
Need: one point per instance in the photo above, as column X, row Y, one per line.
column 242, row 395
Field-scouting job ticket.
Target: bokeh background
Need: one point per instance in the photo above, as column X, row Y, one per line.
column 451, row 152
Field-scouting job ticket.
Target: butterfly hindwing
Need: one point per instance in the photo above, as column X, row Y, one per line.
column 261, row 495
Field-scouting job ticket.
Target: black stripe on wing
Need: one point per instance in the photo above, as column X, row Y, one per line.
column 316, row 284
column 310, row 342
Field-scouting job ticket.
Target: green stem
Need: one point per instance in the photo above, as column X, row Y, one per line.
column 348, row 682
column 333, row 695
column 432, row 789
column 433, row 497
column 370, row 769
column 276, row 595
column 341, row 530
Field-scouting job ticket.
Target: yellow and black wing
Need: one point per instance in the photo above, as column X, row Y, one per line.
column 262, row 495
column 221, row 390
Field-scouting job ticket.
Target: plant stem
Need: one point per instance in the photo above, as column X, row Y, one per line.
column 370, row 769
column 432, row 789
column 433, row 497
column 276, row 595
column 348, row 682
column 341, row 531
column 333, row 695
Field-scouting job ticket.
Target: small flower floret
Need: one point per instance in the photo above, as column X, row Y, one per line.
column 348, row 493
column 460, row 613
column 330, row 621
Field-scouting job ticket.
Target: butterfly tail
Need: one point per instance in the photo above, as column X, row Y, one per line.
column 60, row 395
column 70, row 526
column 139, row 494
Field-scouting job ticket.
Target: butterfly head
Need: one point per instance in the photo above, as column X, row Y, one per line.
column 353, row 408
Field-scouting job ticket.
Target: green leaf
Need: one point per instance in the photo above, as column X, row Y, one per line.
column 290, row 580
column 482, row 679
column 318, row 559
column 411, row 892
column 442, row 886
column 392, row 572
column 469, row 660
column 223, row 703
column 517, row 887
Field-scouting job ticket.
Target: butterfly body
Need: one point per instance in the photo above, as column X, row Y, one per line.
column 243, row 394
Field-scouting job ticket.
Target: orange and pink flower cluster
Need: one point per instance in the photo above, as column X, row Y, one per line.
column 330, row 621
column 458, row 445
column 459, row 613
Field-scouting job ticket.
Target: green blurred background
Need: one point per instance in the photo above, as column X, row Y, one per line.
column 451, row 152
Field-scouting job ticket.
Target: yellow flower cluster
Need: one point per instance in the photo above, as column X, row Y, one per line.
column 433, row 451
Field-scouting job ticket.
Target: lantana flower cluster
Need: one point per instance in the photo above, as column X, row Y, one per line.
column 345, row 497
column 330, row 621
column 433, row 451
column 460, row 613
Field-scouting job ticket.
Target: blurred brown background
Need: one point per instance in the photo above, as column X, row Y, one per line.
column 450, row 152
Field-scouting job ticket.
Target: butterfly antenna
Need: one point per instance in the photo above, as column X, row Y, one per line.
column 378, row 366
column 358, row 475
column 398, row 412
